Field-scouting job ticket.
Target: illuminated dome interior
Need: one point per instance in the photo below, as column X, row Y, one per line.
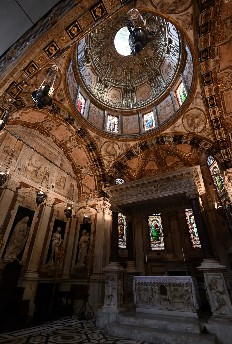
column 113, row 82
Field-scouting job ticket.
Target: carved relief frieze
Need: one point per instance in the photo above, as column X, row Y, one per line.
column 162, row 293
column 156, row 187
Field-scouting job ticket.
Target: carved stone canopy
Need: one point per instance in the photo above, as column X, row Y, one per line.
column 171, row 187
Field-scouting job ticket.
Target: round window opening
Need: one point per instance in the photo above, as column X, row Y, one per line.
column 121, row 42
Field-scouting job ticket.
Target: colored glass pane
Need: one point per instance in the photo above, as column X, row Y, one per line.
column 216, row 174
column 112, row 124
column 122, row 229
column 181, row 93
column 149, row 121
column 192, row 228
column 80, row 103
column 156, row 232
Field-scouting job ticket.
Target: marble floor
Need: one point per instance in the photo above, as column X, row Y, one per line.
column 64, row 331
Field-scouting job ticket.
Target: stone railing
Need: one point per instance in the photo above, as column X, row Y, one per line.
column 159, row 294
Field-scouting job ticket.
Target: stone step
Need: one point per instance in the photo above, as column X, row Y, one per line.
column 160, row 322
column 151, row 335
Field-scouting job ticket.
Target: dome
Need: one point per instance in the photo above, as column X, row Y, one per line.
column 119, row 83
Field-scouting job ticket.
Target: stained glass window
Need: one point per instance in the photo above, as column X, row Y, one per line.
column 80, row 103
column 181, row 93
column 122, row 229
column 192, row 228
column 216, row 174
column 112, row 123
column 149, row 121
column 156, row 232
column 119, row 181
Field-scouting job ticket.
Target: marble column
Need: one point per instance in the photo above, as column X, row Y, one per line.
column 102, row 238
column 215, row 284
column 176, row 235
column 216, row 289
column 131, row 269
column 5, row 202
column 130, row 245
column 68, row 253
column 113, row 299
column 139, row 243
column 30, row 280
column 114, row 238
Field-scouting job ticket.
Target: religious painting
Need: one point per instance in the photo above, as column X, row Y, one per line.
column 51, row 49
column 98, row 11
column 19, row 234
column 31, row 68
column 80, row 104
column 194, row 237
column 216, row 174
column 181, row 93
column 122, row 231
column 83, row 244
column 156, row 235
column 56, row 246
column 149, row 121
column 112, row 123
column 73, row 29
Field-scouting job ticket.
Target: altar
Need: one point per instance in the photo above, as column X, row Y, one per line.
column 177, row 295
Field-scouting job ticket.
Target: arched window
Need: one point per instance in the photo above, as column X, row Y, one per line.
column 194, row 237
column 112, row 123
column 216, row 174
column 122, row 231
column 181, row 93
column 80, row 104
column 156, row 232
column 149, row 121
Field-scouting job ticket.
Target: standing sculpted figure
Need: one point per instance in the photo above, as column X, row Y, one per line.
column 56, row 241
column 83, row 248
column 18, row 239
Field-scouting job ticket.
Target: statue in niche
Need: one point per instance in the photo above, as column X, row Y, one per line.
column 83, row 248
column 18, row 239
column 55, row 245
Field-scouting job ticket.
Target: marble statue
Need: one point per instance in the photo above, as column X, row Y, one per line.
column 56, row 242
column 18, row 239
column 83, row 248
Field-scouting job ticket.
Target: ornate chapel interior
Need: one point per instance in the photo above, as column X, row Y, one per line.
column 116, row 169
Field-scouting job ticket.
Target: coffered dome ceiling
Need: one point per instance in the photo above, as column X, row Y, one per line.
column 115, row 82
column 136, row 81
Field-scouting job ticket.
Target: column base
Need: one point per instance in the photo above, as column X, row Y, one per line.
column 216, row 289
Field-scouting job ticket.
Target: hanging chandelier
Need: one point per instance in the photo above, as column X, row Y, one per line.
column 40, row 197
column 43, row 96
column 140, row 32
column 3, row 178
column 68, row 211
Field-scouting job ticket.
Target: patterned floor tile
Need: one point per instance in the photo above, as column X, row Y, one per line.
column 64, row 331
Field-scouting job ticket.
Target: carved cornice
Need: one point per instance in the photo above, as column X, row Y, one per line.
column 169, row 184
